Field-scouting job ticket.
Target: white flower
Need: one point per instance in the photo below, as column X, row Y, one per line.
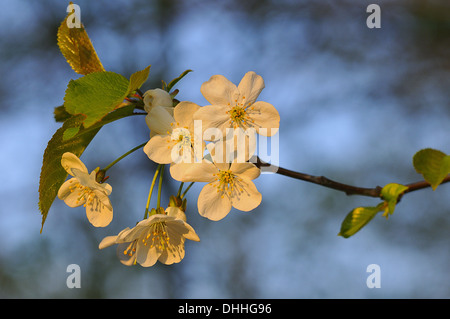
column 233, row 107
column 158, row 97
column 172, row 138
column 159, row 237
column 83, row 189
column 229, row 185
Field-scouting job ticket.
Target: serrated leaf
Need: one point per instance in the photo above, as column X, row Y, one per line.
column 77, row 48
column 52, row 173
column 95, row 95
column 137, row 79
column 390, row 194
column 434, row 165
column 60, row 114
column 177, row 79
column 357, row 219
column 70, row 132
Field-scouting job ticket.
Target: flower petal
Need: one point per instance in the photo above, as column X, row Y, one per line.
column 111, row 240
column 66, row 187
column 194, row 172
column 249, row 197
column 176, row 213
column 219, row 90
column 265, row 115
column 70, row 160
column 146, row 255
column 82, row 177
column 212, row 204
column 215, row 120
column 105, row 187
column 184, row 113
column 98, row 213
column 240, row 144
column 174, row 253
column 91, row 182
column 103, row 197
column 183, row 229
column 123, row 235
column 172, row 256
column 222, row 166
column 159, row 149
column 221, row 152
column 131, row 234
column 159, row 120
column 250, row 87
column 247, row 170
column 71, row 193
column 126, row 253
column 107, row 241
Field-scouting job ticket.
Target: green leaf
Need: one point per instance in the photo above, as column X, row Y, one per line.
column 95, row 95
column 176, row 80
column 99, row 93
column 434, row 165
column 52, row 173
column 137, row 79
column 390, row 193
column 357, row 219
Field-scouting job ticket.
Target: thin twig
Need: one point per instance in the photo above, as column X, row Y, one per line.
column 347, row 189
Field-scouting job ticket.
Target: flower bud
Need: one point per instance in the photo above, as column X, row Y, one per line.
column 100, row 176
column 157, row 97
column 176, row 201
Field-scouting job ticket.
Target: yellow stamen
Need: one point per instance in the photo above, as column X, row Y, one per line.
column 159, row 237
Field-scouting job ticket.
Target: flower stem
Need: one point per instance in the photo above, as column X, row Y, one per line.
column 123, row 156
column 180, row 189
column 151, row 190
column 184, row 193
column 158, row 203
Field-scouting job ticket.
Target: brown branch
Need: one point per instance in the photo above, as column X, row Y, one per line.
column 423, row 184
column 347, row 189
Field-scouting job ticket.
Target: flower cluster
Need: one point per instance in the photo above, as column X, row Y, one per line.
column 212, row 144
column 234, row 116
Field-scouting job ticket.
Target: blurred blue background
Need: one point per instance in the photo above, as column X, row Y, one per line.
column 355, row 105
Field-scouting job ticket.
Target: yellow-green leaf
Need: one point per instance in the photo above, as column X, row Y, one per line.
column 137, row 79
column 95, row 95
column 357, row 219
column 76, row 47
column 433, row 164
column 176, row 80
column 390, row 194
